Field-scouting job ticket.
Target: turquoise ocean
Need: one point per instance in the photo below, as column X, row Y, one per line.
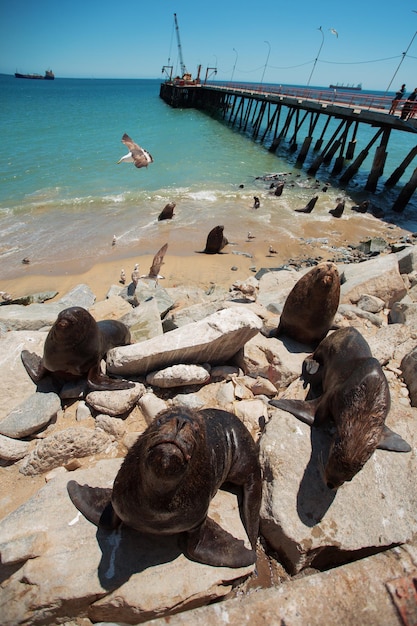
column 63, row 196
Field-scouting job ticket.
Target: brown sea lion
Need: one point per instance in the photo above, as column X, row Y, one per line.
column 311, row 305
column 279, row 188
column 171, row 474
column 167, row 212
column 74, row 348
column 338, row 211
column 354, row 395
column 309, row 206
column 362, row 207
column 216, row 241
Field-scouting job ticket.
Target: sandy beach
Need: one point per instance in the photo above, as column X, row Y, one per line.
column 239, row 260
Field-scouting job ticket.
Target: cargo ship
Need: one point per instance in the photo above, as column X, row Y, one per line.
column 49, row 75
column 357, row 87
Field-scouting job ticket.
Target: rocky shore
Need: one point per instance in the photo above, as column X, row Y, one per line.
column 203, row 348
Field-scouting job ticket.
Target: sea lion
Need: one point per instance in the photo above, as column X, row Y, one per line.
column 354, row 394
column 309, row 206
column 362, row 207
column 74, row 348
column 338, row 210
column 167, row 212
column 171, row 474
column 311, row 305
column 279, row 188
column 216, row 241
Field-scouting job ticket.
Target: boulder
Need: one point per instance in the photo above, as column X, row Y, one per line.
column 213, row 340
column 62, row 447
column 56, row 566
column 179, row 376
column 31, row 415
column 378, row 277
column 116, row 402
column 15, row 382
column 311, row 525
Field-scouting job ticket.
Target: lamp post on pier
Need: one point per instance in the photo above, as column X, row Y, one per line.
column 234, row 67
column 266, row 62
column 317, row 57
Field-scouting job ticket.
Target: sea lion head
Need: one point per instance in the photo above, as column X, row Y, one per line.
column 74, row 322
column 349, row 452
column 170, row 443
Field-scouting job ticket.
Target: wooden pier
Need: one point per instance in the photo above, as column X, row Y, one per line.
column 271, row 115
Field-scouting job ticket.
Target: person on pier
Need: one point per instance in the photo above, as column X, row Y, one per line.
column 396, row 99
column 410, row 106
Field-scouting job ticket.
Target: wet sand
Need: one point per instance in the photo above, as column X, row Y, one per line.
column 314, row 239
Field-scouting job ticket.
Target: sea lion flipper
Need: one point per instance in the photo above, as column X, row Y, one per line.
column 212, row 545
column 33, row 365
column 393, row 441
column 304, row 410
column 100, row 382
column 90, row 501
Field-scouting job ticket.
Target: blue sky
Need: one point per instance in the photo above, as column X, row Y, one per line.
column 270, row 40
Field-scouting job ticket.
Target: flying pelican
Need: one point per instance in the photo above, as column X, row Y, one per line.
column 137, row 155
column 156, row 265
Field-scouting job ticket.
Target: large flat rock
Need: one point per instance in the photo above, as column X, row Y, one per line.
column 56, row 565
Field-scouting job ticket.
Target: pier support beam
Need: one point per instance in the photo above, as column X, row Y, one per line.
column 399, row 171
column 379, row 162
column 353, row 168
column 304, row 150
column 405, row 194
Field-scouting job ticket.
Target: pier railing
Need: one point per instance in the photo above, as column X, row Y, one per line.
column 333, row 96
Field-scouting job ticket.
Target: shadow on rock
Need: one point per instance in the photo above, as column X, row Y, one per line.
column 314, row 498
column 126, row 552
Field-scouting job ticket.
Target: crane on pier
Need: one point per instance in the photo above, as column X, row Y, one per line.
column 177, row 30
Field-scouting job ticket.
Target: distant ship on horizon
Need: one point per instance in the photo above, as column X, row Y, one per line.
column 49, row 75
column 357, row 87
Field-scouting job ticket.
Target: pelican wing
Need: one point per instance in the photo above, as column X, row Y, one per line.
column 157, row 262
column 129, row 143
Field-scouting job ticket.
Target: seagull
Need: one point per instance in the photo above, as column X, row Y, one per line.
column 113, row 243
column 135, row 274
column 156, row 265
column 334, row 32
column 250, row 236
column 271, row 250
column 137, row 155
column 122, row 276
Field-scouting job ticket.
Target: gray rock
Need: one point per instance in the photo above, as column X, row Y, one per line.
column 372, row 304
column 378, row 277
column 35, row 297
column 407, row 260
column 80, row 295
column 33, row 317
column 31, row 415
column 144, row 321
column 352, row 312
column 274, row 287
column 64, row 446
column 404, row 313
column 151, row 405
column 188, row 315
column 15, row 382
column 279, row 361
column 116, row 402
column 179, row 376
column 146, row 290
column 213, row 340
column 409, row 371
column 12, row 450
column 111, row 425
column 305, row 522
column 59, row 567
column 83, row 412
